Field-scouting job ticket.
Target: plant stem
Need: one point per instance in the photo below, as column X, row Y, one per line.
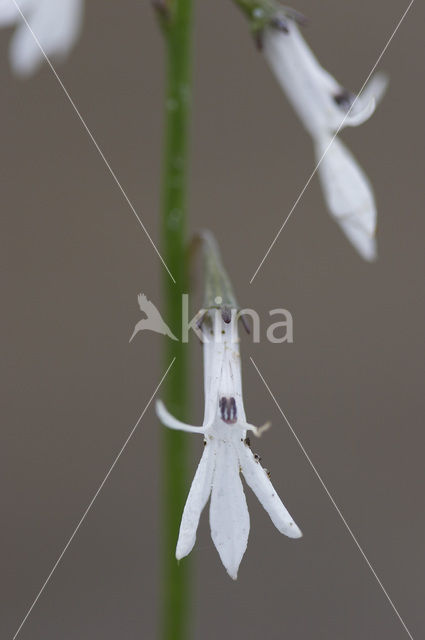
column 176, row 19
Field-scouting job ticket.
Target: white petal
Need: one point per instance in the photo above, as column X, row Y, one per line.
column 212, row 370
column 222, row 369
column 365, row 103
column 348, row 194
column 196, row 501
column 375, row 88
column 312, row 91
column 9, row 14
column 256, row 477
column 307, row 85
column 171, row 422
column 25, row 55
column 364, row 243
column 359, row 112
column 229, row 517
column 55, row 24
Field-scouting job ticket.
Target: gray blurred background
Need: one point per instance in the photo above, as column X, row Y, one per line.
column 73, row 261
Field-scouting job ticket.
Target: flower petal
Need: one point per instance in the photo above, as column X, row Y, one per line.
column 307, row 85
column 55, row 24
column 25, row 55
column 365, row 103
column 365, row 244
column 196, row 501
column 374, row 89
column 222, row 368
column 9, row 13
column 229, row 517
column 256, row 477
column 348, row 194
column 359, row 112
column 171, row 422
column 322, row 104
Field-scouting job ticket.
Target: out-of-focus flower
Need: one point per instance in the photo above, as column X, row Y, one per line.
column 55, row 23
column 324, row 106
column 227, row 453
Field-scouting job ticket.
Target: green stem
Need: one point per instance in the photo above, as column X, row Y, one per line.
column 176, row 20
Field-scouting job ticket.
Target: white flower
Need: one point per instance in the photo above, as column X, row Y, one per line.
column 226, row 453
column 56, row 24
column 323, row 105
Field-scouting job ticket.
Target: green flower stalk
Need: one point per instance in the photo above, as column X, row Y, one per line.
column 175, row 17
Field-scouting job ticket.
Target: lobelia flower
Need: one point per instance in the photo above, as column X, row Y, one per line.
column 226, row 453
column 56, row 24
column 324, row 106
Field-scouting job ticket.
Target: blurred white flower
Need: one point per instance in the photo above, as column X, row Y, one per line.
column 227, row 452
column 55, row 23
column 323, row 105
